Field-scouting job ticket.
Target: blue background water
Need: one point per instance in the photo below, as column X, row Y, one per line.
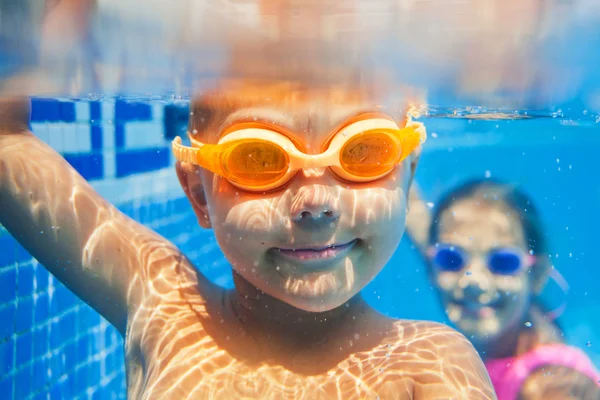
column 54, row 346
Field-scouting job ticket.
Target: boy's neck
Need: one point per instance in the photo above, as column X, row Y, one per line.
column 256, row 310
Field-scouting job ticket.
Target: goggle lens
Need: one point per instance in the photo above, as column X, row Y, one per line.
column 256, row 162
column 505, row 262
column 449, row 259
column 370, row 155
column 500, row 261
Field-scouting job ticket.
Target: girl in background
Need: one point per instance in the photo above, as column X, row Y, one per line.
column 486, row 254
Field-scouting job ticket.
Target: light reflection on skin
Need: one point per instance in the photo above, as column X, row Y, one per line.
column 274, row 222
column 187, row 338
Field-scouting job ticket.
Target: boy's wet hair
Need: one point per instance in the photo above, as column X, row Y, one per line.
column 229, row 95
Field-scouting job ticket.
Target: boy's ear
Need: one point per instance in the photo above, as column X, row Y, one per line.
column 194, row 190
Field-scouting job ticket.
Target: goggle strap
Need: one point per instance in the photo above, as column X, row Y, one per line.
column 562, row 283
column 205, row 156
column 410, row 139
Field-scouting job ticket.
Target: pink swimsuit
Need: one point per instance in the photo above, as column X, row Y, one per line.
column 508, row 374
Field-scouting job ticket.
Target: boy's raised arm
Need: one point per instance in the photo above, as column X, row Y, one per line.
column 95, row 250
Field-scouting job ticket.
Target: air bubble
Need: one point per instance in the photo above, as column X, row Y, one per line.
column 528, row 324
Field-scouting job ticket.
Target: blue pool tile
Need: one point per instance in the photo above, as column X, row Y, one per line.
column 119, row 136
column 7, row 316
column 45, row 110
column 39, row 374
column 21, row 254
column 96, row 132
column 41, row 308
column 94, row 371
column 100, row 394
column 143, row 214
column 62, row 300
column 7, row 357
column 90, row 166
column 7, row 386
column 93, row 318
column 127, row 209
column 55, row 392
column 55, row 364
column 84, row 347
column 42, row 278
column 24, row 348
column 62, row 330
column 110, row 335
column 70, row 352
column 95, row 111
column 24, row 317
column 44, row 395
column 8, row 283
column 41, row 338
column 23, row 383
column 154, row 212
column 182, row 203
column 67, row 111
column 26, row 276
column 133, row 162
column 97, row 342
column 131, row 111
column 52, row 110
column 56, row 336
column 68, row 323
column 68, row 388
column 12, row 252
column 82, row 379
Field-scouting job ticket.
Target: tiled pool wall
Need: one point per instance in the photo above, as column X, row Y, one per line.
column 52, row 345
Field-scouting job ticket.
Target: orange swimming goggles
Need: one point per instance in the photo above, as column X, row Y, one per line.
column 258, row 157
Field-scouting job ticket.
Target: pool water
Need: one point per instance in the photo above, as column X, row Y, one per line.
column 54, row 346
column 111, row 102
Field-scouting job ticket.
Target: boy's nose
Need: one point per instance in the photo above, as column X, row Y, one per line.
column 315, row 204
column 315, row 214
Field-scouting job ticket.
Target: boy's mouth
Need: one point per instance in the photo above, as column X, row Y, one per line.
column 316, row 253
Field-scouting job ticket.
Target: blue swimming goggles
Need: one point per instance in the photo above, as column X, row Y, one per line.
column 501, row 261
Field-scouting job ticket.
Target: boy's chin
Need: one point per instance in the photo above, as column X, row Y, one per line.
column 316, row 304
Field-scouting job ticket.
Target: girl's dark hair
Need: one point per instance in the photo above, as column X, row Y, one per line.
column 492, row 191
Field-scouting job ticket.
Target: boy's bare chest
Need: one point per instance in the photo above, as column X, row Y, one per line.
column 180, row 356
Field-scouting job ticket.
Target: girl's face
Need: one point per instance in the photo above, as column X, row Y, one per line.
column 480, row 266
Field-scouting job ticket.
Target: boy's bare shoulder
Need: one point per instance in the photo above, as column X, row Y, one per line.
column 441, row 361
